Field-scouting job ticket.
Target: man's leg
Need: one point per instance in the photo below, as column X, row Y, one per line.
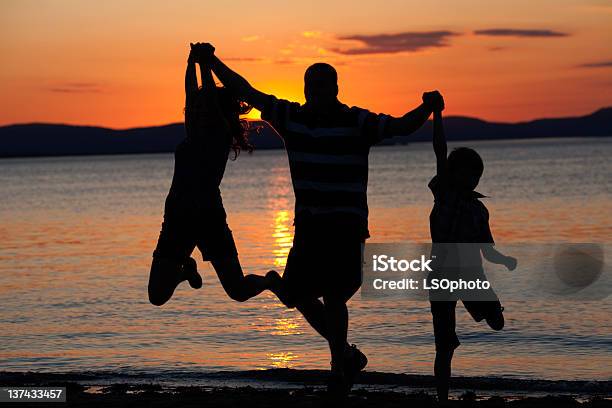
column 313, row 311
column 341, row 281
column 316, row 314
column 311, row 308
column 329, row 319
column 336, row 318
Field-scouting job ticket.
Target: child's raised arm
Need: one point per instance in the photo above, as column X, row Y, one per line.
column 210, row 91
column 191, row 81
column 439, row 143
column 208, row 83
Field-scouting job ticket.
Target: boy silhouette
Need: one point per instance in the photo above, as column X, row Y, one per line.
column 459, row 218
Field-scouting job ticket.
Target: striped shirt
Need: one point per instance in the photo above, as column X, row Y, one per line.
column 328, row 158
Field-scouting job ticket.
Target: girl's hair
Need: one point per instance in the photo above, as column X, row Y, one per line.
column 231, row 109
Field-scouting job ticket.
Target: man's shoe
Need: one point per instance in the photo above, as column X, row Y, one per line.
column 354, row 362
column 337, row 384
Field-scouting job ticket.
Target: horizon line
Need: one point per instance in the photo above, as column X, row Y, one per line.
column 261, row 120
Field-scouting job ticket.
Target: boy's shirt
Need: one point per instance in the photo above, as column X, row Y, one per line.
column 457, row 217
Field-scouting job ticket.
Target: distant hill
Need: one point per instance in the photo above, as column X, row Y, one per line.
column 598, row 123
column 55, row 140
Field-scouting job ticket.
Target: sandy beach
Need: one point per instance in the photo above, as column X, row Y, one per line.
column 305, row 388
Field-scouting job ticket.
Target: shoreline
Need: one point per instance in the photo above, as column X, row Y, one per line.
column 304, row 388
column 285, row 378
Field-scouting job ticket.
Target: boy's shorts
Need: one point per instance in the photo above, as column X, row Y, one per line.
column 184, row 229
column 320, row 265
column 444, row 321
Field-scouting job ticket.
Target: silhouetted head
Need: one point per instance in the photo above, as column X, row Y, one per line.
column 465, row 167
column 321, row 85
column 231, row 108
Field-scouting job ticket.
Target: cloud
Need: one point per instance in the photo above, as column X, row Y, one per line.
column 76, row 87
column 599, row 64
column 394, row 43
column 516, row 32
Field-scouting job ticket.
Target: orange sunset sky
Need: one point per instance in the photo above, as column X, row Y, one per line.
column 121, row 63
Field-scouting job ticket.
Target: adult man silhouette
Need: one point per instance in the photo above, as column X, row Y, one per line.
column 327, row 145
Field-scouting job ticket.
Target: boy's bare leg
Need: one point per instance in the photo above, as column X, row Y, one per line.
column 442, row 372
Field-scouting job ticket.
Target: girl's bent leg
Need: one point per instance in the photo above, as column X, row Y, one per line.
column 171, row 259
column 163, row 279
column 237, row 286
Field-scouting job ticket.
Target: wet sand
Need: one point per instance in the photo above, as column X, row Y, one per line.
column 305, row 388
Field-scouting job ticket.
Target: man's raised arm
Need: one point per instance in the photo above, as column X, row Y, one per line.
column 414, row 119
column 233, row 81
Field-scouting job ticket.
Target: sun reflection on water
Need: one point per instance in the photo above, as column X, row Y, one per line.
column 286, row 326
column 282, row 359
column 280, row 203
column 283, row 238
